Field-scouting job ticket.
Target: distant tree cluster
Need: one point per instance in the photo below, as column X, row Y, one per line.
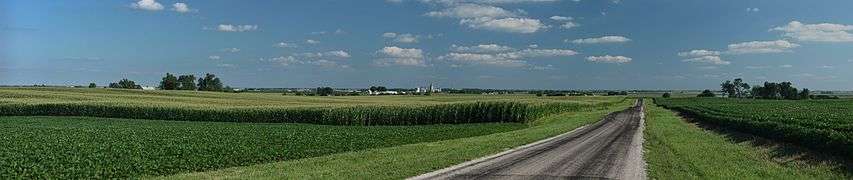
column 183, row 82
column 125, row 84
column 378, row 88
column 770, row 90
column 617, row 93
column 707, row 93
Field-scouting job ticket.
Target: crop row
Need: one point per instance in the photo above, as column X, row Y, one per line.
column 450, row 113
column 821, row 125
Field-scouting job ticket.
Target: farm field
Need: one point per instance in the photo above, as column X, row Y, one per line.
column 677, row 149
column 823, row 125
column 248, row 107
column 46, row 136
column 404, row 161
column 79, row 147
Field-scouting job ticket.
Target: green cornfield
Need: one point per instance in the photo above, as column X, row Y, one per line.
column 823, row 125
column 274, row 108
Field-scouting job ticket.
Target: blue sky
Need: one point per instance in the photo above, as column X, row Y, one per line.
column 554, row 44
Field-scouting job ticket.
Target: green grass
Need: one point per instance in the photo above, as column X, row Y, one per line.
column 78, row 147
column 675, row 149
column 268, row 108
column 823, row 125
column 413, row 159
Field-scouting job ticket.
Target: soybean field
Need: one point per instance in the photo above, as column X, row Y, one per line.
column 823, row 125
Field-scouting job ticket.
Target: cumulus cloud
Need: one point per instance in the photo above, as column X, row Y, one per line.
column 752, row 9
column 148, row 5
column 699, row 53
column 236, row 28
column 389, row 56
column 760, row 47
column 609, row 59
column 214, row 57
column 512, row 25
column 486, row 17
column 708, row 60
column 561, row 18
column 600, row 40
column 569, row 25
column 823, row 32
column 486, row 1
column 402, row 38
column 329, row 59
column 182, row 8
column 472, row 11
column 311, row 41
column 482, row 48
column 489, row 55
column 286, row 45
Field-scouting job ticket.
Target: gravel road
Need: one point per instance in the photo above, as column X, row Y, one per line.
column 609, row 149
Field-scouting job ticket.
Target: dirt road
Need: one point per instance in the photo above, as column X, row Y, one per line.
column 609, row 149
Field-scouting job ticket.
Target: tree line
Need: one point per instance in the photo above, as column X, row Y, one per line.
column 171, row 82
column 769, row 90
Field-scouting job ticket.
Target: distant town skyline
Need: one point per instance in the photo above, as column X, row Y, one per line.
column 502, row 44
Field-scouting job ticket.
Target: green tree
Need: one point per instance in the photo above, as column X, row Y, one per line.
column 667, row 95
column 92, row 85
column 209, row 83
column 125, row 84
column 169, row 82
column 706, row 93
column 805, row 94
column 325, row 91
column 187, row 82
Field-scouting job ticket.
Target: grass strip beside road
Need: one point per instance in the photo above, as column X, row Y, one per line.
column 413, row 159
column 676, row 149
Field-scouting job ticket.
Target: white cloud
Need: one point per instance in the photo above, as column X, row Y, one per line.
column 236, row 28
column 231, row 50
column 752, row 9
column 708, row 60
column 609, row 59
column 483, row 59
column 339, row 54
column 569, row 25
column 512, row 25
column 759, row 47
column 182, row 8
column 486, row 1
column 503, row 59
column 492, row 18
column 699, row 53
column 389, row 35
column 286, row 45
column 482, row 48
column 214, row 57
column 599, row 40
column 311, row 41
column 472, row 11
column 400, row 56
column 402, row 38
column 148, row 5
column 394, row 1
column 561, row 18
column 786, row 66
column 329, row 59
column 823, row 32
